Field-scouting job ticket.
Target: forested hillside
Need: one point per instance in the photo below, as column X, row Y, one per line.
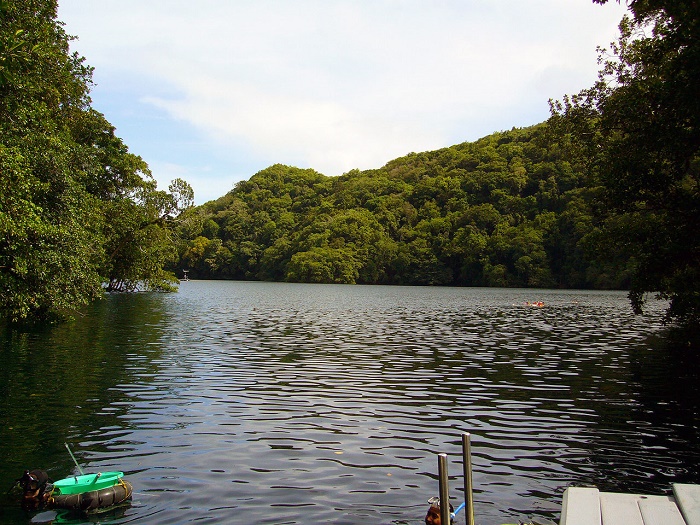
column 511, row 209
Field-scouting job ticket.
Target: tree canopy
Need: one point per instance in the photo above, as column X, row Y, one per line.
column 77, row 210
column 639, row 126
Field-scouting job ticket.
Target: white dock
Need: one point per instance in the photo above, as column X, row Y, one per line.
column 589, row 506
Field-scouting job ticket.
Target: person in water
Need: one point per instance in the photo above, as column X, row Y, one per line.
column 433, row 515
column 34, row 488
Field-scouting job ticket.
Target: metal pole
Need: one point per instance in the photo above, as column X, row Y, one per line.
column 74, row 461
column 444, row 490
column 468, row 486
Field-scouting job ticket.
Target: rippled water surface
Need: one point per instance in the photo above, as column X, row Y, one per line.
column 268, row 403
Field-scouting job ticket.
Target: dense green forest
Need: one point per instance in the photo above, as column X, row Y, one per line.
column 639, row 129
column 79, row 214
column 511, row 209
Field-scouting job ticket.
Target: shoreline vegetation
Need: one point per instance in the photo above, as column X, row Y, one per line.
column 604, row 195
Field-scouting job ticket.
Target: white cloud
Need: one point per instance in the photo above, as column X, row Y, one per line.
column 342, row 84
column 316, row 132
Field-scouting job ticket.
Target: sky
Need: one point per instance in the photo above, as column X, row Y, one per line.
column 213, row 91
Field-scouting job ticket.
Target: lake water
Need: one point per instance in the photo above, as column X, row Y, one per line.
column 269, row 403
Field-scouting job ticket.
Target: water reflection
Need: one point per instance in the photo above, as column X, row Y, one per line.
column 281, row 403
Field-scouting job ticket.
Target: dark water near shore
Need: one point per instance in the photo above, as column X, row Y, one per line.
column 268, row 403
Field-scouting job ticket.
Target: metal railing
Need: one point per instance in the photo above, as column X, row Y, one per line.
column 443, row 477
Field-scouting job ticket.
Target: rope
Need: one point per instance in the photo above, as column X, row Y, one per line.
column 127, row 491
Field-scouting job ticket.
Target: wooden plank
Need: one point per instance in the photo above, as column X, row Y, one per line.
column 688, row 500
column 580, row 506
column 660, row 510
column 620, row 509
